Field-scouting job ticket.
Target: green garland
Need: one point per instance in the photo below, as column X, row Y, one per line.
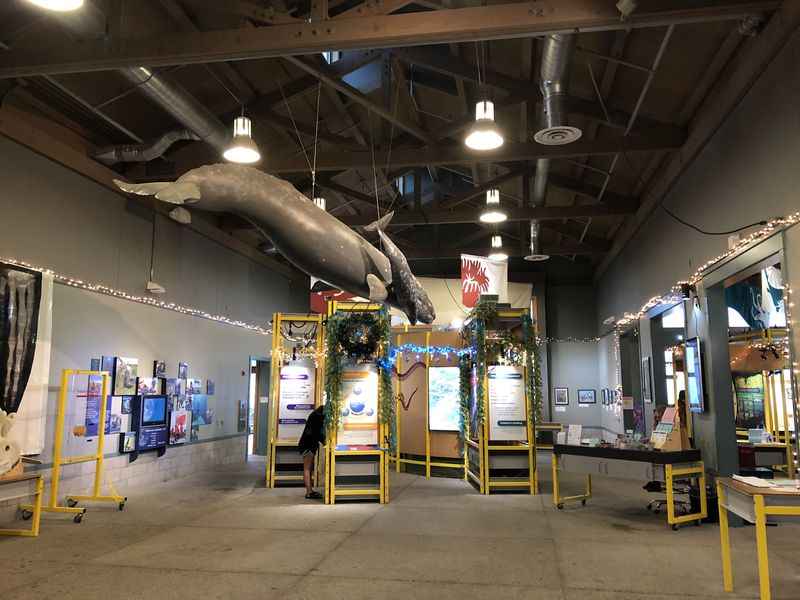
column 364, row 336
column 465, row 391
column 534, row 368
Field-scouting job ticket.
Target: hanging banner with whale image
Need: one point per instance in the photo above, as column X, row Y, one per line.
column 359, row 407
column 295, row 400
column 480, row 275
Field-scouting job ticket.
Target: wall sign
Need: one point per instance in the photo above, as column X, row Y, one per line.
column 359, row 425
column 295, row 400
column 507, row 418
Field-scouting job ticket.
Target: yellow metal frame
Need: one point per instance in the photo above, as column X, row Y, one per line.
column 671, row 474
column 35, row 510
column 762, row 511
column 59, row 460
column 485, row 483
column 272, row 477
column 427, row 463
column 331, row 453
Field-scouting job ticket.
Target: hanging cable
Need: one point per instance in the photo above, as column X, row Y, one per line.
column 316, row 141
column 296, row 130
column 697, row 229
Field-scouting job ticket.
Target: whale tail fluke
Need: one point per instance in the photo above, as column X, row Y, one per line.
column 381, row 224
column 166, row 191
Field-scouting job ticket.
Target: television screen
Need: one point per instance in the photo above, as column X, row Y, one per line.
column 154, row 410
column 694, row 376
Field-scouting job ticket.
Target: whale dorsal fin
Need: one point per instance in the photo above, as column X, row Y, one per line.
column 377, row 289
column 380, row 224
column 142, row 189
column 166, row 191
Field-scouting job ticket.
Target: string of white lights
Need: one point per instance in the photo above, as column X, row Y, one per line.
column 109, row 291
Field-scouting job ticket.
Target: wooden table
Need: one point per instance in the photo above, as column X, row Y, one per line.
column 639, row 465
column 36, row 512
column 754, row 505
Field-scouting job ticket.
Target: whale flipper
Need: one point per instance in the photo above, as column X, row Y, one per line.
column 377, row 289
column 381, row 224
column 142, row 189
column 179, row 192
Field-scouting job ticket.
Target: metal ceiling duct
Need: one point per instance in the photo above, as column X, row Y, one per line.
column 554, row 130
column 143, row 152
column 169, row 95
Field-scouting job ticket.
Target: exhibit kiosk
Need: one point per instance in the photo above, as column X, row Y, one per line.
column 359, row 402
column 501, row 447
column 426, row 375
column 296, row 389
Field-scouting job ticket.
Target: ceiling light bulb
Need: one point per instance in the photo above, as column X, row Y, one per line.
column 484, row 134
column 58, row 5
column 492, row 213
column 497, row 241
column 320, row 202
column 499, row 256
column 243, row 149
column 497, row 249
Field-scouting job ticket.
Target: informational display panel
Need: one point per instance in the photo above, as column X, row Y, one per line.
column 359, row 425
column 443, row 398
column 295, row 400
column 507, row 404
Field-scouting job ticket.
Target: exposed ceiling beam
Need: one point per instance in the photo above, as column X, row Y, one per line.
column 329, row 78
column 499, row 21
column 456, row 154
column 433, row 253
column 442, row 217
column 480, row 189
column 743, row 72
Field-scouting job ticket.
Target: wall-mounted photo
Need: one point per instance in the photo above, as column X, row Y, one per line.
column 210, row 387
column 148, row 386
column 561, row 396
column 587, row 396
column 126, row 371
column 604, row 397
column 159, row 368
column 183, row 370
column 194, row 386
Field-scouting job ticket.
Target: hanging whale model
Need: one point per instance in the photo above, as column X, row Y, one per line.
column 310, row 238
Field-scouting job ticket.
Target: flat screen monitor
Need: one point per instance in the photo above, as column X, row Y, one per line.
column 154, row 410
column 694, row 376
column 444, row 400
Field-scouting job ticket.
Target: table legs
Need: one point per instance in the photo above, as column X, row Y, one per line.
column 761, row 545
column 725, row 541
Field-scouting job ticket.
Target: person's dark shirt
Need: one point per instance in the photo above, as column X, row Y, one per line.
column 314, row 431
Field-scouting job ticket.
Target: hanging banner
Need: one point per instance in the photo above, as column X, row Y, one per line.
column 359, row 425
column 507, row 404
column 479, row 275
column 443, row 398
column 295, row 400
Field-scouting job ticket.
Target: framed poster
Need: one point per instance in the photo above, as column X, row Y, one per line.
column 180, row 424
column 159, row 368
column 183, row 370
column 210, row 387
column 587, row 396
column 295, row 399
column 443, row 398
column 647, row 380
column 604, row 397
column 507, row 417
column 694, row 376
column 359, row 425
column 561, row 396
column 148, row 386
column 125, row 372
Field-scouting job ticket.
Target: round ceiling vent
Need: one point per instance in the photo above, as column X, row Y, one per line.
column 537, row 257
column 557, row 136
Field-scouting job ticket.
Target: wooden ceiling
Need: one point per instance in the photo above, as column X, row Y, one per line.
column 393, row 109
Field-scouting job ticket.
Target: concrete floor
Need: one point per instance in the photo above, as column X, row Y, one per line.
column 221, row 535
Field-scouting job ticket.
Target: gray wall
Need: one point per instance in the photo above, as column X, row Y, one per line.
column 748, row 172
column 574, row 365
column 54, row 218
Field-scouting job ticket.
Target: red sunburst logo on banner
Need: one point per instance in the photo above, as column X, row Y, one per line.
column 474, row 281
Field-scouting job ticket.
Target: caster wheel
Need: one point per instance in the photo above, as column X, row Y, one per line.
column 72, row 503
column 583, row 502
column 675, row 527
column 560, row 506
column 78, row 518
column 26, row 515
column 122, row 506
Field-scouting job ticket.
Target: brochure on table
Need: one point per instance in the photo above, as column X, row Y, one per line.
column 507, row 404
column 443, row 398
column 295, row 400
column 359, row 426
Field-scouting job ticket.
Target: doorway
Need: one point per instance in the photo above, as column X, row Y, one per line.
column 258, row 413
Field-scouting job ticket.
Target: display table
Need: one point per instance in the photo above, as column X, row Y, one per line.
column 754, row 505
column 640, row 465
column 765, row 454
column 357, row 472
column 35, row 513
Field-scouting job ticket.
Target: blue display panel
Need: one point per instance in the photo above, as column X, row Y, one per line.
column 151, row 438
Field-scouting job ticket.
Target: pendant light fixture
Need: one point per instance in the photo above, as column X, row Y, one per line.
column 484, row 134
column 58, row 5
column 320, row 202
column 243, row 149
column 497, row 252
column 493, row 213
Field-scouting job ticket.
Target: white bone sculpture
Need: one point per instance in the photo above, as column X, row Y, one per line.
column 9, row 451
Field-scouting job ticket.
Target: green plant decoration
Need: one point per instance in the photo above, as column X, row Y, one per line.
column 534, row 369
column 464, row 393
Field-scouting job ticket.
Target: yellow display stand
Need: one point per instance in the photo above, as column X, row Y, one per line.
column 380, row 453
column 59, row 460
column 35, row 513
column 403, row 334
column 482, row 451
column 276, row 444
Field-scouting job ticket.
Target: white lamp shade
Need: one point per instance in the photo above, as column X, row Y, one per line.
column 497, row 241
column 493, row 197
column 498, row 255
column 243, row 149
column 58, row 5
column 492, row 213
column 484, row 134
column 320, row 202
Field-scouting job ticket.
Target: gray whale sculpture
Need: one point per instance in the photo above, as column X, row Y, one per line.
column 312, row 239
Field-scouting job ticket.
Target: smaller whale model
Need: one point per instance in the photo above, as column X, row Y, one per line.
column 310, row 238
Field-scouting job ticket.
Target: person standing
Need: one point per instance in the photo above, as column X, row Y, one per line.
column 313, row 435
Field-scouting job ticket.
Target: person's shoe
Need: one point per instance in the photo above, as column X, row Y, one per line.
column 314, row 496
